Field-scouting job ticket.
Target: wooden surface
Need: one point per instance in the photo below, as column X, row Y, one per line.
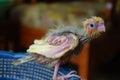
column 82, row 61
column 29, row 34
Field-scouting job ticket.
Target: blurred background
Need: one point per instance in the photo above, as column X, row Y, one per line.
column 22, row 21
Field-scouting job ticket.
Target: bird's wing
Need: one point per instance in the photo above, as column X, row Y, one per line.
column 54, row 46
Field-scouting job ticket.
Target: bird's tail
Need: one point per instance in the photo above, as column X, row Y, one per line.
column 23, row 60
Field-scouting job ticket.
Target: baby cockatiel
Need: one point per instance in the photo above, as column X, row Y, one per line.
column 61, row 43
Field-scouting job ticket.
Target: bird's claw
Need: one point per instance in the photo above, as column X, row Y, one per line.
column 65, row 77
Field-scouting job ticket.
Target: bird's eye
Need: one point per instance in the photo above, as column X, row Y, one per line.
column 92, row 25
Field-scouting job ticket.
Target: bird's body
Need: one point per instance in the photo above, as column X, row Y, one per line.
column 61, row 43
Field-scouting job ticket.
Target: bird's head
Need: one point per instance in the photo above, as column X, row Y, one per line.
column 94, row 26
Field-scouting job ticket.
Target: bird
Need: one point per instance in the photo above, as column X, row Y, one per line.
column 61, row 43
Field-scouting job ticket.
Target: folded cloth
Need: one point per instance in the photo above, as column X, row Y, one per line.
column 29, row 70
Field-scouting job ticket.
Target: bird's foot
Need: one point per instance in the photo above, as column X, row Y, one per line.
column 65, row 77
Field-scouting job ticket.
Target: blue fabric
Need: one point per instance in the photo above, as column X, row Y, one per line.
column 26, row 71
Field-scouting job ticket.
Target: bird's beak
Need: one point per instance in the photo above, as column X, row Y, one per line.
column 101, row 28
